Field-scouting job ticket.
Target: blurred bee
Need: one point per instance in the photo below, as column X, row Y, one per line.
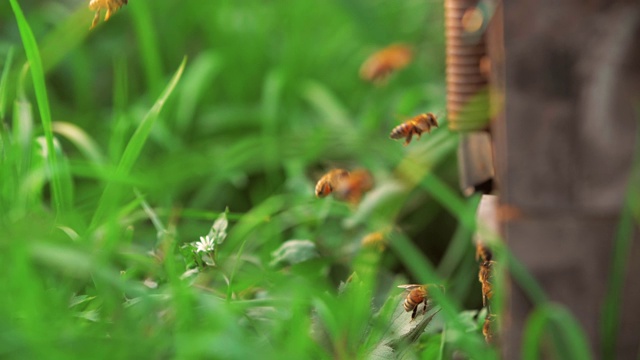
column 417, row 295
column 486, row 329
column 416, row 125
column 483, row 276
column 486, row 262
column 382, row 63
column 110, row 5
column 483, row 253
column 374, row 241
column 328, row 182
column 352, row 187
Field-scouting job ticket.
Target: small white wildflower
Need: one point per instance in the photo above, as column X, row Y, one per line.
column 205, row 244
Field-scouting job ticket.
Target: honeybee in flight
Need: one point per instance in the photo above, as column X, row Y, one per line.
column 328, row 181
column 416, row 125
column 353, row 187
column 110, row 5
column 382, row 63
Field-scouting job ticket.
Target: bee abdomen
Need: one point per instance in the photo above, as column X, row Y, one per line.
column 323, row 189
column 399, row 131
column 415, row 297
column 409, row 305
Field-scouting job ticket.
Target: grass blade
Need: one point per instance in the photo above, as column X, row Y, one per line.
column 85, row 144
column 611, row 309
column 3, row 82
column 134, row 147
column 148, row 40
column 37, row 75
column 569, row 335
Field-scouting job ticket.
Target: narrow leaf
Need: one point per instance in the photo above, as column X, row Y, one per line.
column 3, row 82
column 37, row 75
column 134, row 148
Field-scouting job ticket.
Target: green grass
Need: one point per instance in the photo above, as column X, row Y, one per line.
column 61, row 200
column 630, row 216
column 98, row 234
column 132, row 151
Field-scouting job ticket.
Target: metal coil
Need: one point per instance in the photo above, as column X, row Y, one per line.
column 467, row 96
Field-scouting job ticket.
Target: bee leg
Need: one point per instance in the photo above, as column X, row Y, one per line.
column 96, row 18
column 418, row 132
column 408, row 138
column 108, row 14
column 413, row 314
column 424, row 308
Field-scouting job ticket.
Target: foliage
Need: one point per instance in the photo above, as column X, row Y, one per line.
column 135, row 153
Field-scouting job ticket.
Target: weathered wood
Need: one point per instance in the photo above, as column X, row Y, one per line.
column 564, row 148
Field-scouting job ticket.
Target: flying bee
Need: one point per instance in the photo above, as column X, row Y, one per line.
column 352, row 187
column 328, row 181
column 110, row 5
column 417, row 295
column 416, row 125
column 384, row 62
column 483, row 253
column 483, row 276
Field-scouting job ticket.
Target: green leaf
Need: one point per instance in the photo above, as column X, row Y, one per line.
column 112, row 192
column 77, row 300
column 37, row 75
column 568, row 336
column 3, row 82
column 85, row 144
column 218, row 230
column 293, row 252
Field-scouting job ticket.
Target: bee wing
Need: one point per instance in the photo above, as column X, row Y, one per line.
column 409, row 287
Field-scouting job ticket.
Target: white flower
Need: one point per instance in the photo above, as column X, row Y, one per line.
column 205, row 244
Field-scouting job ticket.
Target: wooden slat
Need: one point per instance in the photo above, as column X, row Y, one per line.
column 564, row 149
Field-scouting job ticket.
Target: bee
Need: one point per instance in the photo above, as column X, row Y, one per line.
column 382, row 63
column 483, row 253
column 483, row 276
column 110, row 5
column 352, row 187
column 417, row 295
column 374, row 241
column 328, row 181
column 486, row 329
column 416, row 125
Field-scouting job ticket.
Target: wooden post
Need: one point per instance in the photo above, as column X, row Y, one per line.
column 564, row 146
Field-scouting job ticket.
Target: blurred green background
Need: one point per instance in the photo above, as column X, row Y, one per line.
column 269, row 100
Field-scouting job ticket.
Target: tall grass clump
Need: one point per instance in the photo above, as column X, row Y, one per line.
column 159, row 208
